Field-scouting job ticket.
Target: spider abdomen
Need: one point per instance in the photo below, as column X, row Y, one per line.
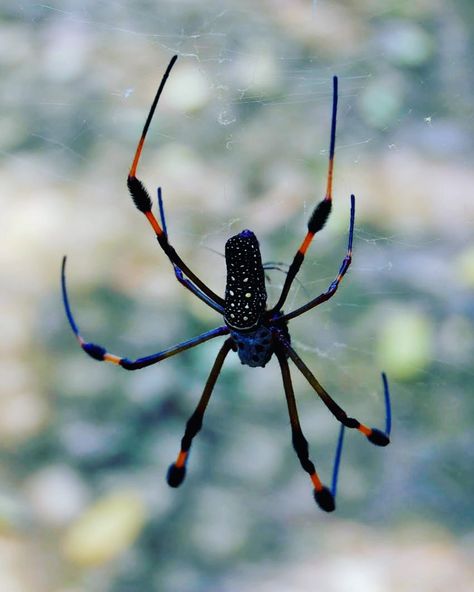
column 245, row 293
column 254, row 348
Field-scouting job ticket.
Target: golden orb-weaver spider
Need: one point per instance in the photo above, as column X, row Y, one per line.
column 254, row 331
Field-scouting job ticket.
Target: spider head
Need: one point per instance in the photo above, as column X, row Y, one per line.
column 245, row 294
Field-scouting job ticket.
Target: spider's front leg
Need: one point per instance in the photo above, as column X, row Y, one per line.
column 143, row 202
column 97, row 352
column 346, row 262
column 178, row 272
column 320, row 213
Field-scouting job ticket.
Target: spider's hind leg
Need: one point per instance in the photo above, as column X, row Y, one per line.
column 177, row 470
column 323, row 495
column 373, row 435
column 340, row 440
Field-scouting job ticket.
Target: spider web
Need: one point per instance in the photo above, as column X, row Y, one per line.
column 240, row 140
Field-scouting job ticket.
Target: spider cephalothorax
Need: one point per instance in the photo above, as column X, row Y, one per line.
column 252, row 330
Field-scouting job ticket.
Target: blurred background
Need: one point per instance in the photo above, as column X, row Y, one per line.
column 240, row 140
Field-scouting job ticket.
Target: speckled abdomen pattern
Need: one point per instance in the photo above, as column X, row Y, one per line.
column 245, row 294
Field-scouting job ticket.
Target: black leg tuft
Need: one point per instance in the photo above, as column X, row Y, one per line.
column 325, row 499
column 378, row 438
column 319, row 216
column 95, row 351
column 175, row 475
column 139, row 194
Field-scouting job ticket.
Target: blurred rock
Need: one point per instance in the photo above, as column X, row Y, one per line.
column 57, row 494
column 464, row 264
column 405, row 344
column 105, row 530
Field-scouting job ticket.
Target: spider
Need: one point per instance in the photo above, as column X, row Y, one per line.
column 254, row 331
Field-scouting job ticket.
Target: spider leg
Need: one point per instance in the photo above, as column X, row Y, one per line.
column 388, row 406
column 340, row 440
column 335, row 284
column 161, row 207
column 179, row 273
column 337, row 460
column 320, row 213
column 143, row 201
column 374, row 435
column 101, row 354
column 177, row 470
column 322, row 495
